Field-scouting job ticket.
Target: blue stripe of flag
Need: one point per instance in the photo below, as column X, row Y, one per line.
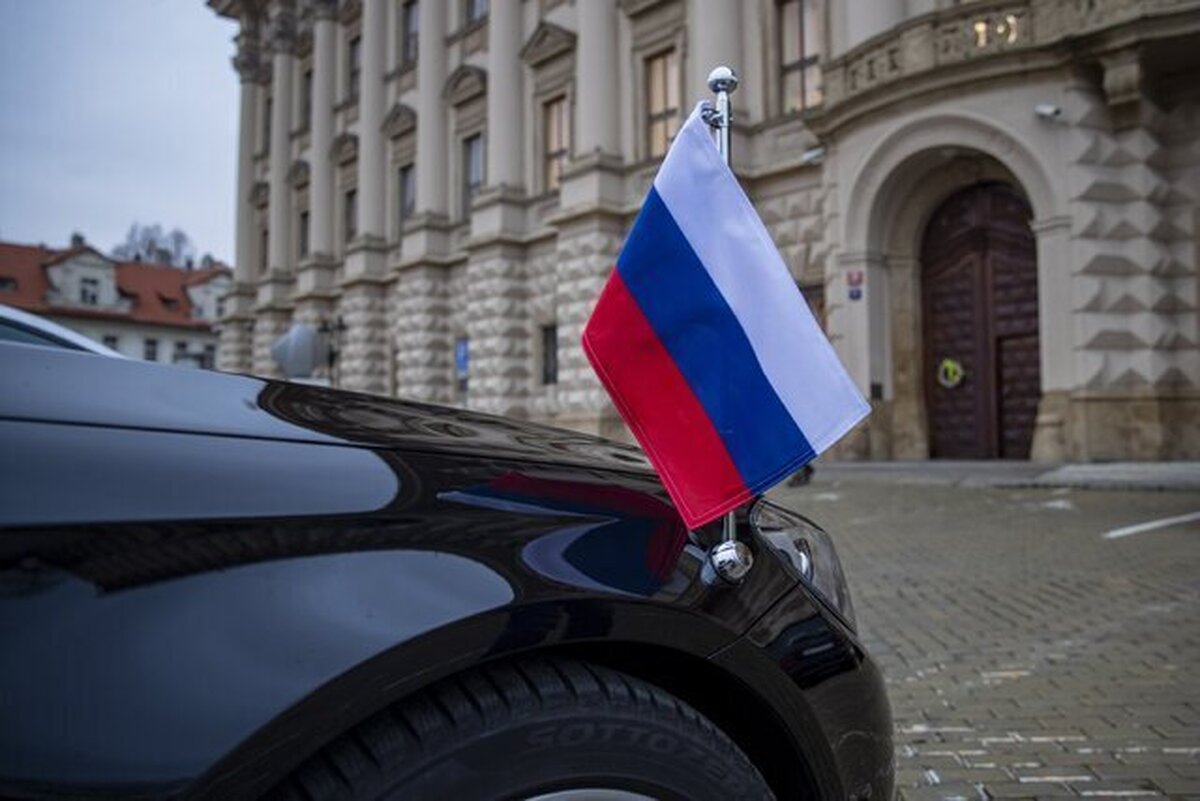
column 700, row 331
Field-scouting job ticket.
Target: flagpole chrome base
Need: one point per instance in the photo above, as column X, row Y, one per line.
column 728, row 562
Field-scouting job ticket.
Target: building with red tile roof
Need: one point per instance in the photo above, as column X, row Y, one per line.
column 149, row 311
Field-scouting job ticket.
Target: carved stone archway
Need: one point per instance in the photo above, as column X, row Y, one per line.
column 893, row 194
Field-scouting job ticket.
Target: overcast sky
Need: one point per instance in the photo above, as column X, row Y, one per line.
column 116, row 111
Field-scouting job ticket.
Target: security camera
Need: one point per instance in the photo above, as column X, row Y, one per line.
column 1047, row 111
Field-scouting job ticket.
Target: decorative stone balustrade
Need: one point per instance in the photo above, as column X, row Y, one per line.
column 974, row 32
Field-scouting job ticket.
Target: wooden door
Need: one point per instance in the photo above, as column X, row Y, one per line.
column 980, row 317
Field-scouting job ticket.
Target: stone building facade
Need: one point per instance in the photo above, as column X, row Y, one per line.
column 992, row 205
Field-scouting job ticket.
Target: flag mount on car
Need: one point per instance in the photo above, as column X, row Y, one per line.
column 704, row 343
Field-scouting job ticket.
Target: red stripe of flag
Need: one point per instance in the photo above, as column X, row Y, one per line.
column 660, row 408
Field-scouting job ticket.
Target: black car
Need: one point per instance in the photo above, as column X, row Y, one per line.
column 217, row 586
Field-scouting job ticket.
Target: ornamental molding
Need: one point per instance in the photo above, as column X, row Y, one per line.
column 547, row 42
column 324, row 9
column 248, row 61
column 281, row 30
column 298, row 174
column 465, row 84
column 635, row 8
column 401, row 119
column 260, row 193
column 350, row 11
column 344, row 148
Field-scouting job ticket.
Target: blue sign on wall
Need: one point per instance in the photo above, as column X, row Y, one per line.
column 461, row 356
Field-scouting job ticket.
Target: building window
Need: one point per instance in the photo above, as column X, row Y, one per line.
column 472, row 161
column 799, row 54
column 662, row 102
column 302, row 234
column 8, row 284
column 350, row 215
column 557, row 133
column 406, row 193
column 268, row 106
column 409, row 33
column 549, row 354
column 476, row 10
column 181, row 354
column 150, row 350
column 306, row 99
column 110, row 341
column 89, row 291
column 263, row 240
column 354, row 67
column 220, row 308
column 462, row 359
column 208, row 360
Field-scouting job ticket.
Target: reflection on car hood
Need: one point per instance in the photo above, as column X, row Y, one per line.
column 43, row 384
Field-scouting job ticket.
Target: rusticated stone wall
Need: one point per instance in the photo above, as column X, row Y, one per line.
column 364, row 353
column 542, row 279
column 498, row 328
column 235, row 348
column 421, row 326
column 317, row 312
column 1134, row 197
column 269, row 326
column 587, row 250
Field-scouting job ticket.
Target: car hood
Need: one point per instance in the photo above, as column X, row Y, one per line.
column 79, row 388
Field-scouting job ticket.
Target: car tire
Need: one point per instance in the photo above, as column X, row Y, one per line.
column 547, row 728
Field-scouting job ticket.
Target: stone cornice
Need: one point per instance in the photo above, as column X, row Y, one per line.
column 464, row 84
column 260, row 193
column 401, row 119
column 985, row 40
column 548, row 41
column 281, row 30
column 637, row 7
column 298, row 174
column 344, row 148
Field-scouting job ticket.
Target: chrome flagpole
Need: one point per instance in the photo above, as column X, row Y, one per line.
column 729, row 560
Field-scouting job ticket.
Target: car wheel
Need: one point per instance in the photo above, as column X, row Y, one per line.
column 539, row 730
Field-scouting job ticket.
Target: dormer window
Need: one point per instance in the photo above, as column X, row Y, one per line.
column 8, row 284
column 89, row 292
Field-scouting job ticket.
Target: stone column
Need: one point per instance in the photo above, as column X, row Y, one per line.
column 315, row 295
column 505, row 109
column 431, row 117
column 857, row 319
column 370, row 126
column 597, row 115
column 272, row 314
column 321, row 205
column 234, row 352
column 714, row 38
column 363, row 363
column 1056, row 338
column 282, row 41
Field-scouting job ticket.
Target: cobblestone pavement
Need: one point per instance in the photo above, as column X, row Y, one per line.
column 1027, row 656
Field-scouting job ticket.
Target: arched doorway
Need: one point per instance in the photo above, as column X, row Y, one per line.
column 979, row 298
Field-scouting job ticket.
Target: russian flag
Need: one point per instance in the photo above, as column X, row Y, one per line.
column 706, row 346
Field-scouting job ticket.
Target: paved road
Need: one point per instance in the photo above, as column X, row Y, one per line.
column 1026, row 655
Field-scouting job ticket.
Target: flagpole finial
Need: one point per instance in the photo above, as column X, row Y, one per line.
column 722, row 79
